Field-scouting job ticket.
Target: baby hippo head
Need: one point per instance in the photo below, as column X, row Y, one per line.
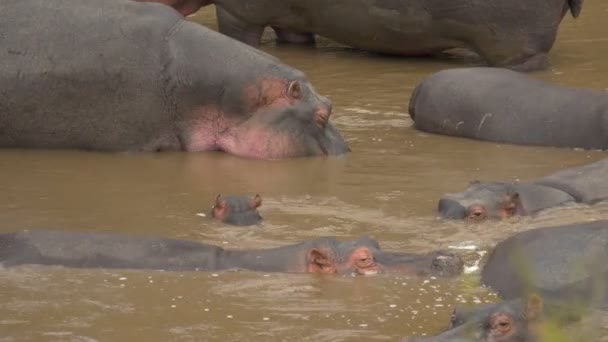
column 237, row 210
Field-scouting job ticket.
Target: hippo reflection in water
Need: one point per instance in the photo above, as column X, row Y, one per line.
column 481, row 200
column 107, row 250
column 542, row 274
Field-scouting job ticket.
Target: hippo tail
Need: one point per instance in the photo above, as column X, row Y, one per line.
column 413, row 99
column 575, row 7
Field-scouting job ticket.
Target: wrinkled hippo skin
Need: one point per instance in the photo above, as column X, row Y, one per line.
column 559, row 270
column 108, row 250
column 509, row 107
column 128, row 76
column 504, row 33
column 482, row 200
column 237, row 210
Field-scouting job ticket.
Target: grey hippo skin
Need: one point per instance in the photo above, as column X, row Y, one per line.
column 237, row 210
column 495, row 200
column 516, row 33
column 117, row 75
column 509, row 107
column 109, row 250
column 184, row 7
column 544, row 273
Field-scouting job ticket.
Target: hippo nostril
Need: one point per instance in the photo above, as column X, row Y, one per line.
column 451, row 209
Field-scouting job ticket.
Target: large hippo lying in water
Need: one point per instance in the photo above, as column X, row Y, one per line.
column 107, row 250
column 481, row 200
column 516, row 33
column 509, row 107
column 126, row 76
column 556, row 270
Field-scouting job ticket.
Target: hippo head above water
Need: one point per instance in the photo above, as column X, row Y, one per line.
column 496, row 200
column 511, row 321
column 237, row 210
column 481, row 201
column 364, row 257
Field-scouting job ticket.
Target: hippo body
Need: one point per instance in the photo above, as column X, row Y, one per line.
column 504, row 33
column 548, row 273
column 117, row 75
column 562, row 263
column 482, row 200
column 509, row 107
column 121, row 251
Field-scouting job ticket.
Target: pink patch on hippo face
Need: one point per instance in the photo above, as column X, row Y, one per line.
column 272, row 93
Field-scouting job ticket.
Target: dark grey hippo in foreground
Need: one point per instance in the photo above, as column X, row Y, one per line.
column 546, row 273
column 509, row 107
column 516, row 33
column 586, row 184
column 117, row 75
column 108, row 250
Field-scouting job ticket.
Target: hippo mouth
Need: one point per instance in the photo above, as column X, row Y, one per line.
column 258, row 141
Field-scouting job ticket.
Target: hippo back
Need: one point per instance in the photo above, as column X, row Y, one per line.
column 565, row 262
column 82, row 74
column 587, row 184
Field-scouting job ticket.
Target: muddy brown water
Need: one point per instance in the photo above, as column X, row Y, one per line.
column 387, row 188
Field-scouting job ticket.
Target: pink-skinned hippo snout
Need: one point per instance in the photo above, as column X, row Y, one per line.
column 274, row 118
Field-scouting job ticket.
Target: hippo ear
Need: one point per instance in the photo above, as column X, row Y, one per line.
column 513, row 205
column 294, row 90
column 318, row 261
column 220, row 208
column 534, row 308
column 256, row 201
column 219, row 202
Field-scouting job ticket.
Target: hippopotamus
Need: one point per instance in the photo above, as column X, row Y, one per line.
column 544, row 273
column 237, row 210
column 512, row 321
column 327, row 255
column 509, row 107
column 483, row 200
column 128, row 76
column 510, row 34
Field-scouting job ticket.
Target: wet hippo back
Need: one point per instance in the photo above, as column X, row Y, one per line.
column 118, row 63
column 587, row 184
column 564, row 262
column 505, row 33
column 509, row 107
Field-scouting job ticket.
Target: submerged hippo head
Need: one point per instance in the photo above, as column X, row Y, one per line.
column 481, row 201
column 364, row 257
column 237, row 210
column 511, row 321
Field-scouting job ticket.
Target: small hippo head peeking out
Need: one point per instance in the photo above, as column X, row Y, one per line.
column 237, row 210
column 511, row 321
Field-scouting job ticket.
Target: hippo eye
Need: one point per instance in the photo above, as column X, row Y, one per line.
column 365, row 261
